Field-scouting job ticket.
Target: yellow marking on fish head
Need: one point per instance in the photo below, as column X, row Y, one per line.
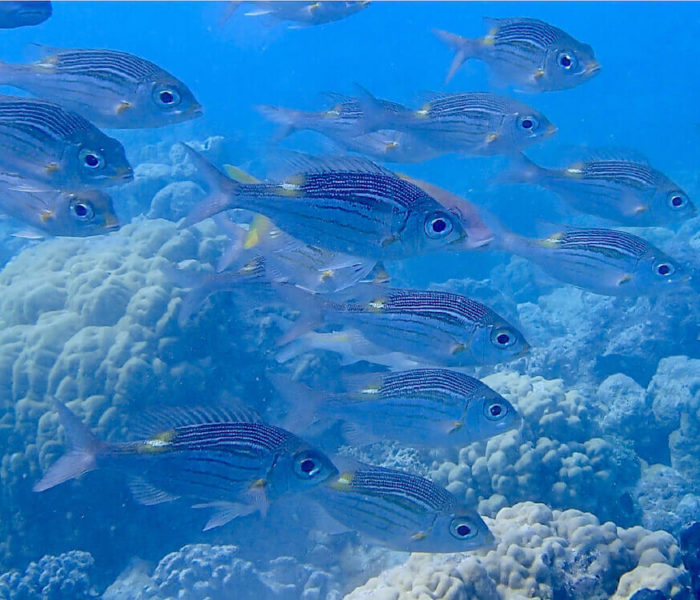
column 52, row 167
column 377, row 304
column 539, row 74
column 457, row 349
column 343, row 482
column 46, row 215
column 123, row 106
column 419, row 537
column 158, row 443
column 492, row 137
column 327, row 274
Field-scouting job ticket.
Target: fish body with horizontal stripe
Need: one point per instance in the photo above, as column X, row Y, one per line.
column 435, row 408
column 629, row 192
column 478, row 123
column 205, row 455
column 528, row 53
column 110, row 88
column 50, row 146
column 346, row 205
column 402, row 511
column 441, row 328
column 604, row 261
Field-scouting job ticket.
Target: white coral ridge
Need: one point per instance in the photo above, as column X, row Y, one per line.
column 539, row 554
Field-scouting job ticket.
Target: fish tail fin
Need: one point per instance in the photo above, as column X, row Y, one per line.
column 221, row 190
column 301, row 403
column 227, row 13
column 521, row 169
column 465, row 48
column 289, row 120
column 80, row 459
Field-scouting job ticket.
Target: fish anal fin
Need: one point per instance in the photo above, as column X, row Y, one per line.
column 147, row 494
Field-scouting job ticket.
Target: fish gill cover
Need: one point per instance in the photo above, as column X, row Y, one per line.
column 290, row 290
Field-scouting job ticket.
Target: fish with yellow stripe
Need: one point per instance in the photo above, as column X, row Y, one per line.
column 227, row 460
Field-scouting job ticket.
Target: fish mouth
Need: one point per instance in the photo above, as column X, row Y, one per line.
column 111, row 224
column 123, row 174
column 196, row 110
column 593, row 68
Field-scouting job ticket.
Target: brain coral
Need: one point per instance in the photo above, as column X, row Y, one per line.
column 541, row 554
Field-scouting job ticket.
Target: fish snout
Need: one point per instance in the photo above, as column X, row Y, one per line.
column 123, row 174
column 592, row 68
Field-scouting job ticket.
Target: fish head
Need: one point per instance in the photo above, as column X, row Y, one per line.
column 498, row 342
column 81, row 213
column 163, row 101
column 567, row 64
column 96, row 159
column 489, row 415
column 300, row 467
column 526, row 126
column 673, row 203
column 437, row 228
column 455, row 530
column 659, row 271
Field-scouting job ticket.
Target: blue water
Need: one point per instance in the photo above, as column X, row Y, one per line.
column 62, row 332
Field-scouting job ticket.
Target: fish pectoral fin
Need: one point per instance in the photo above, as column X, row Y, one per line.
column 123, row 106
column 256, row 497
column 492, row 137
column 148, row 494
column 52, row 167
column 389, row 240
column 46, row 215
column 638, row 210
column 626, row 278
column 539, row 74
column 419, row 536
column 224, row 512
column 457, row 349
column 454, row 426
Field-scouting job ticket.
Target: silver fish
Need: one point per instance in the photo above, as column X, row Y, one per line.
column 527, row 52
column 402, row 511
column 78, row 213
column 347, row 205
column 23, row 13
column 109, row 88
column 477, row 123
column 435, row 408
column 302, row 13
column 629, row 192
column 604, row 261
column 435, row 327
column 232, row 465
column 56, row 148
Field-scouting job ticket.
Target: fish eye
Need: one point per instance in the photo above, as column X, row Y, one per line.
column 677, row 200
column 82, row 210
column 306, row 466
column 503, row 338
column 566, row 61
column 167, row 97
column 462, row 529
column 91, row 159
column 664, row 269
column 529, row 123
column 438, row 225
column 495, row 411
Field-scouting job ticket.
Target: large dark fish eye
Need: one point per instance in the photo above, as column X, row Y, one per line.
column 82, row 210
column 566, row 61
column 495, row 411
column 462, row 529
column 664, row 269
column 92, row 159
column 677, row 200
column 503, row 338
column 529, row 123
column 438, row 225
column 306, row 466
column 167, row 97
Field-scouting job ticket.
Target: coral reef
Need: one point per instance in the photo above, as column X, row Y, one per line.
column 544, row 554
column 64, row 577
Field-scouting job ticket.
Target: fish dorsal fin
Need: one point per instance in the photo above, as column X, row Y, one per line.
column 337, row 98
column 239, row 175
column 155, row 421
column 614, row 154
column 146, row 493
column 298, row 163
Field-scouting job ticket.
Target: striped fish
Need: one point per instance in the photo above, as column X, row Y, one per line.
column 526, row 52
column 346, row 205
column 110, row 88
column 434, row 408
column 604, row 261
column 479, row 123
column 433, row 327
column 214, row 457
column 48, row 145
column 402, row 511
column 23, row 13
column 629, row 192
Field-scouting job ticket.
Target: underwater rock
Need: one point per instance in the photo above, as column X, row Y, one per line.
column 690, row 552
column 63, row 577
column 541, row 553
